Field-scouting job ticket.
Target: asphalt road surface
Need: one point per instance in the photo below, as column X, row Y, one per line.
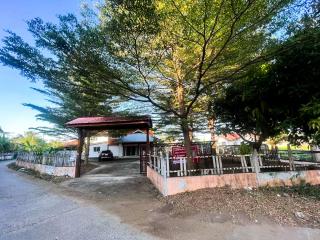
column 29, row 210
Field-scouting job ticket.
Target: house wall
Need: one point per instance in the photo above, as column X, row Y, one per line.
column 175, row 185
column 92, row 153
column 116, row 150
column 222, row 141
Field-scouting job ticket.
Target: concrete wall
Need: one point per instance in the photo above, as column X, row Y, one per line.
column 192, row 183
column 174, row 185
column 51, row 170
column 157, row 180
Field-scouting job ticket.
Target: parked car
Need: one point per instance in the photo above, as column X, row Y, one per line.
column 106, row 155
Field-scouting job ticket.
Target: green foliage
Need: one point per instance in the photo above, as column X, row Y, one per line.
column 61, row 57
column 31, row 142
column 279, row 97
column 6, row 144
column 245, row 149
column 170, row 53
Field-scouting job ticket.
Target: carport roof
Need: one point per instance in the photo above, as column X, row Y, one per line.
column 111, row 122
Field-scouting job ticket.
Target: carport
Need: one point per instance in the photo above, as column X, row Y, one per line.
column 87, row 124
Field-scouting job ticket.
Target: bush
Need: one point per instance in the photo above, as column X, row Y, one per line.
column 245, row 149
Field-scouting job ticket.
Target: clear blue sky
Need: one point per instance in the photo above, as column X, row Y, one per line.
column 15, row 89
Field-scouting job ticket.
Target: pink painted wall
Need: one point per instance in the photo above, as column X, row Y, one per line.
column 156, row 179
column 174, row 185
column 51, row 170
column 313, row 177
column 192, row 183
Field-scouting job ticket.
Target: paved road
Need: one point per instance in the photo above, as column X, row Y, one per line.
column 28, row 210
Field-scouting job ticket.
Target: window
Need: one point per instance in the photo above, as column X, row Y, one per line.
column 96, row 149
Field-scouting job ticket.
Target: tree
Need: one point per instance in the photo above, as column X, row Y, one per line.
column 281, row 97
column 69, row 86
column 250, row 108
column 5, row 143
column 174, row 51
column 31, row 142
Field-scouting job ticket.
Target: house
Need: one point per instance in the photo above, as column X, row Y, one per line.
column 228, row 140
column 128, row 146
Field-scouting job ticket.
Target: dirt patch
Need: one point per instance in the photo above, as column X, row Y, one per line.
column 285, row 206
column 87, row 167
column 36, row 174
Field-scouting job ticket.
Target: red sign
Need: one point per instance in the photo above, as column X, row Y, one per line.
column 178, row 152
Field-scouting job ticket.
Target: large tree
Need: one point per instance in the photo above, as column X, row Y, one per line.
column 174, row 51
column 60, row 59
column 282, row 96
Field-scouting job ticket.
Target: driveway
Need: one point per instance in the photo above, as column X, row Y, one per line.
column 33, row 209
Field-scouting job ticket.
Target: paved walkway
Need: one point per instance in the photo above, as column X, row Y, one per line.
column 30, row 210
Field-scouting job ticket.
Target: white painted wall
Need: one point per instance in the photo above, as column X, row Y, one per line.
column 115, row 149
column 92, row 153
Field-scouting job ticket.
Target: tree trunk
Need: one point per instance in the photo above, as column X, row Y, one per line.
column 291, row 162
column 187, row 145
column 87, row 149
column 211, row 123
column 255, row 158
column 184, row 123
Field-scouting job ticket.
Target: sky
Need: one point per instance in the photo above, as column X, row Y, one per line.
column 14, row 88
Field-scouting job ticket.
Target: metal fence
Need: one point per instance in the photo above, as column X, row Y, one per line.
column 7, row 156
column 165, row 164
column 57, row 159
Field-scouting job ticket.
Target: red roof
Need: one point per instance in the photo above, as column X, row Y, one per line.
column 232, row 136
column 111, row 122
column 71, row 143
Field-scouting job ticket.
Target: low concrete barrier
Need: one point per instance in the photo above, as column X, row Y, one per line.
column 51, row 170
column 174, row 185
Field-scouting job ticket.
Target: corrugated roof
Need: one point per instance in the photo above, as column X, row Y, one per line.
column 111, row 122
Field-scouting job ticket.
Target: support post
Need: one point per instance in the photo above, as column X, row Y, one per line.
column 148, row 145
column 168, row 164
column 79, row 152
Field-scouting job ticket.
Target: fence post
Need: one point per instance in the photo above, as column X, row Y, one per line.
column 244, row 163
column 163, row 166
column 220, row 165
column 160, row 163
column 155, row 155
column 168, row 164
column 185, row 167
column 181, row 167
column 214, row 164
